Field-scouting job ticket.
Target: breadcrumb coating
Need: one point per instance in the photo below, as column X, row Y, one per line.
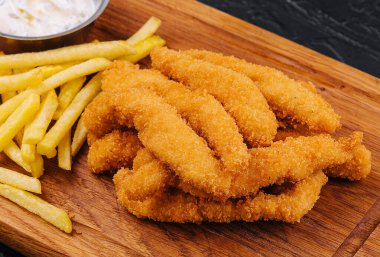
column 175, row 144
column 177, row 206
column 239, row 95
column 113, row 151
column 162, row 131
column 101, row 118
column 147, row 177
column 196, row 108
column 355, row 169
column 358, row 167
column 180, row 146
column 287, row 97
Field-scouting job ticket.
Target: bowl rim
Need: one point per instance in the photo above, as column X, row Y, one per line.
column 80, row 26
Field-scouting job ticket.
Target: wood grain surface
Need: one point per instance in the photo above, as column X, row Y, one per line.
column 344, row 221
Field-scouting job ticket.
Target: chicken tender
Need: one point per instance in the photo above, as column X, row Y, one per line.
column 162, row 131
column 175, row 206
column 238, row 94
column 167, row 136
column 355, row 169
column 220, row 132
column 287, row 97
column 358, row 167
column 294, row 159
column 189, row 139
column 103, row 119
column 148, row 177
column 113, row 151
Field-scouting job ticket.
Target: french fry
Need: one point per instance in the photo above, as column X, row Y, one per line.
column 18, row 137
column 9, row 106
column 51, row 154
column 79, row 137
column 64, row 152
column 37, row 166
column 67, row 94
column 28, row 152
column 76, row 71
column 36, row 205
column 19, row 180
column 143, row 48
column 36, row 130
column 71, row 73
column 20, row 70
column 18, row 119
column 148, row 29
column 57, row 114
column 20, row 81
column 4, row 71
column 69, row 91
column 50, row 70
column 71, row 114
column 7, row 95
column 47, row 70
column 14, row 153
column 110, row 50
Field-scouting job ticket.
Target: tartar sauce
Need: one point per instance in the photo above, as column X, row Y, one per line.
column 35, row 18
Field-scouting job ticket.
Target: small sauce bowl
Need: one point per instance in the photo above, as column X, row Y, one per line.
column 10, row 44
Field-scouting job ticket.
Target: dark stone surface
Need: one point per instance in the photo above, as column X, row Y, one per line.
column 345, row 30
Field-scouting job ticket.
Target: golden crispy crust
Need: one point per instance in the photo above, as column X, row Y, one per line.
column 162, row 131
column 220, row 132
column 355, row 169
column 176, row 206
column 239, row 95
column 113, row 151
column 148, row 176
column 168, row 137
column 287, row 97
column 291, row 160
column 190, row 163
column 101, row 118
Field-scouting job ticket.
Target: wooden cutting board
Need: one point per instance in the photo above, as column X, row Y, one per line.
column 343, row 222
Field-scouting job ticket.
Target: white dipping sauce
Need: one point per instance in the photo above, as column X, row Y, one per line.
column 36, row 18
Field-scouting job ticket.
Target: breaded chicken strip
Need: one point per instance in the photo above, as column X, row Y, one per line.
column 355, row 169
column 148, row 176
column 176, row 206
column 238, row 94
column 266, row 168
column 291, row 160
column 113, row 151
column 294, row 159
column 167, row 136
column 162, row 131
column 358, row 167
column 203, row 112
column 287, row 97
column 103, row 119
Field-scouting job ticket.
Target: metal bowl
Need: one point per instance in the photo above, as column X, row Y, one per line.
column 15, row 44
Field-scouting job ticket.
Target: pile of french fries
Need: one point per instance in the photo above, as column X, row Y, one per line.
column 35, row 121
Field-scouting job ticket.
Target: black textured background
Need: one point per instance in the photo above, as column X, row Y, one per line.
column 347, row 30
